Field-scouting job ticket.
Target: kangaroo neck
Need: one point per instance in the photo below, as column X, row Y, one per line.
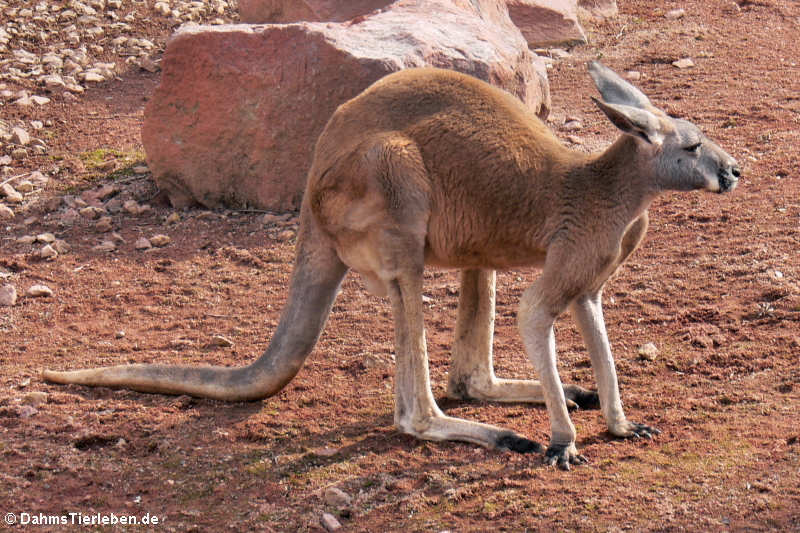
column 618, row 179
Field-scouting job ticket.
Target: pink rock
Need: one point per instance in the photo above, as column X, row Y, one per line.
column 282, row 11
column 547, row 22
column 240, row 107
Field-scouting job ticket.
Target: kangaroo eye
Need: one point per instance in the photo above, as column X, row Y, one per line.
column 693, row 148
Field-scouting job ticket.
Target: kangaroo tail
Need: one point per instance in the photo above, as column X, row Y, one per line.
column 318, row 271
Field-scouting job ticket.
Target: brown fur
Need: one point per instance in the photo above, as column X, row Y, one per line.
column 434, row 167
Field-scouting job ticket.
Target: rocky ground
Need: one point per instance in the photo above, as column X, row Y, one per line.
column 703, row 319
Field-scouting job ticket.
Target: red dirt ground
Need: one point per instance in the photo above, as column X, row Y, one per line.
column 715, row 287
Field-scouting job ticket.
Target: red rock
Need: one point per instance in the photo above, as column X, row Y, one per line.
column 283, row 11
column 547, row 22
column 240, row 107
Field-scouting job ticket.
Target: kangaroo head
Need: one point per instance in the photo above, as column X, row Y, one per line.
column 681, row 157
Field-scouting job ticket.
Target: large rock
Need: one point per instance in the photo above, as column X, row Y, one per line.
column 240, row 107
column 547, row 22
column 282, row 11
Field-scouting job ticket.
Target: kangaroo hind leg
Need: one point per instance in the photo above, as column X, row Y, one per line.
column 472, row 371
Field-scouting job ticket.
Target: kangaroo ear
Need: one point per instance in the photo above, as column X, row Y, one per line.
column 633, row 121
column 614, row 89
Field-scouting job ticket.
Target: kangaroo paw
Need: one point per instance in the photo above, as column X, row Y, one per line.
column 563, row 455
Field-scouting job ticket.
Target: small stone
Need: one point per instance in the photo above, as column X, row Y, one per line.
column 69, row 217
column 8, row 296
column 91, row 76
column 572, row 125
column 46, row 238
column 142, row 244
column 34, row 398
column 337, row 497
column 173, row 218
column 633, row 75
column 131, row 207
column 329, row 522
column 26, row 239
column 558, row 53
column 574, row 139
column 90, row 212
column 6, row 213
column 61, row 246
column 285, row 235
column 105, row 246
column 25, row 186
column 26, row 411
column 54, row 81
column 119, row 335
column 675, row 14
column 48, row 252
column 683, row 63
column 20, row 136
column 39, row 291
column 117, row 238
column 222, row 342
column 106, row 191
column 104, row 224
column 160, row 240
column 648, row 352
column 40, row 100
column 11, row 194
column 19, row 153
column 141, row 169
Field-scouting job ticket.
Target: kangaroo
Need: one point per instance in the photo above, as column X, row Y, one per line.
column 434, row 167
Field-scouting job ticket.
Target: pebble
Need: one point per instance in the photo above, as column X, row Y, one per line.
column 633, row 75
column 24, row 186
column 105, row 246
column 8, row 296
column 20, row 136
column 34, row 398
column 104, row 224
column 574, row 139
column 69, row 217
column 61, row 246
column 683, row 63
column 572, row 125
column 285, row 235
column 37, row 291
column 11, row 194
column 337, row 497
column 131, row 207
column 329, row 522
column 160, row 240
column 675, row 14
column 90, row 212
column 27, row 411
column 6, row 213
column 173, row 218
column 222, row 342
column 648, row 352
column 142, row 244
column 46, row 238
column 26, row 239
column 48, row 252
